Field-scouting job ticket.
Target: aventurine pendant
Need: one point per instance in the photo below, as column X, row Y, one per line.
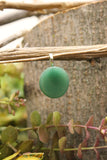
column 54, row 82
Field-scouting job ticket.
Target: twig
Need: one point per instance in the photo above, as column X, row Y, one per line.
column 75, row 149
column 12, row 147
column 19, row 14
column 59, row 53
column 13, row 15
column 35, row 7
column 12, row 38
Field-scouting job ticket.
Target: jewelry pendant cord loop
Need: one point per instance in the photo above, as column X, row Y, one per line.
column 51, row 59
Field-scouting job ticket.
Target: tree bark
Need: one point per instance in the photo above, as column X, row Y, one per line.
column 87, row 90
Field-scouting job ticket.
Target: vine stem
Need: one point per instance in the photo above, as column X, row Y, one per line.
column 35, row 128
column 90, row 127
column 75, row 149
column 12, row 147
column 61, row 125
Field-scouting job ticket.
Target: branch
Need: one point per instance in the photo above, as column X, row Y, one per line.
column 59, row 53
column 12, row 38
column 34, row 7
column 13, row 15
column 19, row 14
column 12, row 147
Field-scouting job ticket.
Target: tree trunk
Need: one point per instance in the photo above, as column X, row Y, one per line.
column 86, row 95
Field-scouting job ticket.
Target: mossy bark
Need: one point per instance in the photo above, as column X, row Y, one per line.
column 87, row 92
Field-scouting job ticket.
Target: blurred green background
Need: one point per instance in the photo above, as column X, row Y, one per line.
column 12, row 80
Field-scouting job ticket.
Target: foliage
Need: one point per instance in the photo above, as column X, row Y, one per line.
column 31, row 156
column 11, row 91
column 46, row 138
column 19, row 118
column 11, row 79
column 50, row 137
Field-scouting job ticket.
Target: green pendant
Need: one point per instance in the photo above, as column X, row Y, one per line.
column 54, row 82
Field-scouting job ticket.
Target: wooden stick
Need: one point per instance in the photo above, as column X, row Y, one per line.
column 34, row 7
column 19, row 14
column 12, row 38
column 13, row 15
column 59, row 53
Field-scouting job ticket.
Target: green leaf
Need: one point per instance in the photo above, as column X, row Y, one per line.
column 55, row 140
column 38, row 144
column 105, row 139
column 12, row 156
column 90, row 121
column 35, row 118
column 77, row 128
column 70, row 126
column 60, row 131
column 50, row 119
column 9, row 135
column 56, row 118
column 43, row 134
column 52, row 155
column 62, row 143
column 5, row 151
column 79, row 153
column 26, row 146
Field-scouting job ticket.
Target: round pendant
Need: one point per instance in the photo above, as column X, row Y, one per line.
column 54, row 82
